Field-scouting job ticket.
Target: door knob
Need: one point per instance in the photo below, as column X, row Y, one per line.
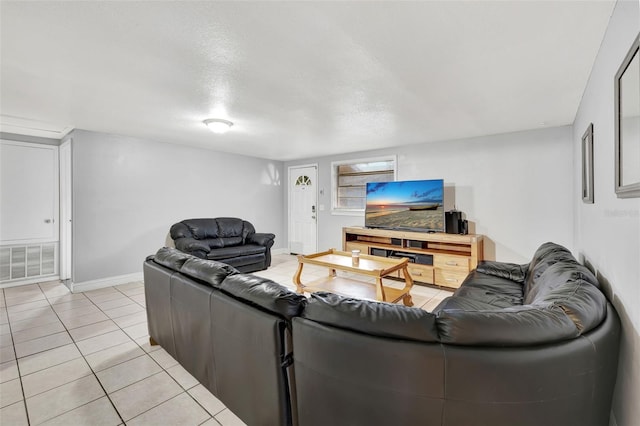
column 313, row 217
column 47, row 221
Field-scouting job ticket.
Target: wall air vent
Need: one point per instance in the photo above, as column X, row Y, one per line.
column 28, row 261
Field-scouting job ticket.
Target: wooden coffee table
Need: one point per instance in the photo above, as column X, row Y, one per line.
column 372, row 266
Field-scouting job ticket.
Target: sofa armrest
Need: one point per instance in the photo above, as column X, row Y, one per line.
column 190, row 245
column 261, row 239
column 510, row 271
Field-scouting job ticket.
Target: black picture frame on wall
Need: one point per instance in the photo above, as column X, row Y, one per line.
column 587, row 165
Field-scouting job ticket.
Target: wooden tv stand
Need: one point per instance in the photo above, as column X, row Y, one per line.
column 438, row 258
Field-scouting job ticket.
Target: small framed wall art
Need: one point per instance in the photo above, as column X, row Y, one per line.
column 587, row 165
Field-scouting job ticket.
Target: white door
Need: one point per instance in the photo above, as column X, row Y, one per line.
column 28, row 193
column 303, row 209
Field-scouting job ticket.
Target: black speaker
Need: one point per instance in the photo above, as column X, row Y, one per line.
column 379, row 252
column 452, row 221
column 464, row 227
column 424, row 259
column 416, row 244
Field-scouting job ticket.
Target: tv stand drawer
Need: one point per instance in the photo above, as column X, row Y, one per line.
column 453, row 263
column 449, row 278
column 421, row 273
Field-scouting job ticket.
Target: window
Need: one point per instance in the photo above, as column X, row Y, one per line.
column 349, row 179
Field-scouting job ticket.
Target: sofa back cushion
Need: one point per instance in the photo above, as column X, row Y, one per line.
column 171, row 258
column 515, row 326
column 214, row 233
column 572, row 288
column 265, row 294
column 207, row 271
column 200, row 229
column 233, row 227
column 373, row 318
column 556, row 278
column 546, row 255
column 556, row 275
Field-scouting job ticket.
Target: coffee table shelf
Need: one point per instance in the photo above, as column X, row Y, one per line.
column 372, row 266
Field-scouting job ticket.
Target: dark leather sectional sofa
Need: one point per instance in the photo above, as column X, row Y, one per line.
column 533, row 344
column 225, row 239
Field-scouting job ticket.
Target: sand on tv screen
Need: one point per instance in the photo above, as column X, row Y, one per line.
column 414, row 205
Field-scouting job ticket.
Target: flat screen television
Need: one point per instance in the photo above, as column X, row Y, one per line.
column 415, row 205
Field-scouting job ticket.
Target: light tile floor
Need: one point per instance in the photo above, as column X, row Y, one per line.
column 85, row 359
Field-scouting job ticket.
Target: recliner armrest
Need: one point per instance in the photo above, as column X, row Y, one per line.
column 510, row 271
column 189, row 245
column 262, row 239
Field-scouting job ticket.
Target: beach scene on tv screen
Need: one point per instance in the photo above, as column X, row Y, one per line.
column 406, row 204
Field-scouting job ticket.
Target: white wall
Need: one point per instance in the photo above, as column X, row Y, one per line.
column 516, row 187
column 607, row 233
column 127, row 193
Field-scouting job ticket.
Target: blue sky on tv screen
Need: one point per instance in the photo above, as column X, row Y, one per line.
column 405, row 192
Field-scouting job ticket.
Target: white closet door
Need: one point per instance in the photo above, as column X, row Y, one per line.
column 28, row 193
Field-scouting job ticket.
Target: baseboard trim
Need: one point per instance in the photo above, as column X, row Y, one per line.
column 105, row 282
column 280, row 251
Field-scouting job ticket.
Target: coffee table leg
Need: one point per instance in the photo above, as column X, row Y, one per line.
column 296, row 279
column 380, row 296
column 408, row 283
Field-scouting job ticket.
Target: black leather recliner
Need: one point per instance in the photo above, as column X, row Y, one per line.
column 225, row 239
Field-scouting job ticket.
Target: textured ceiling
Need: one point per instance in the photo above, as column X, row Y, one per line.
column 298, row 79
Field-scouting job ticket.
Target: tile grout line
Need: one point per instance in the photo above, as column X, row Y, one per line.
column 107, row 394
column 172, row 378
column 186, row 391
column 85, row 360
column 15, row 354
column 81, row 355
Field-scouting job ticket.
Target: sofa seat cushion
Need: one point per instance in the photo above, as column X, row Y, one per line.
column 492, row 290
column 238, row 262
column 264, row 293
column 221, row 254
column 510, row 271
column 464, row 304
column 370, row 317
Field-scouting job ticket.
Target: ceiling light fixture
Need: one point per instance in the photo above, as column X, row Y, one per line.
column 218, row 125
